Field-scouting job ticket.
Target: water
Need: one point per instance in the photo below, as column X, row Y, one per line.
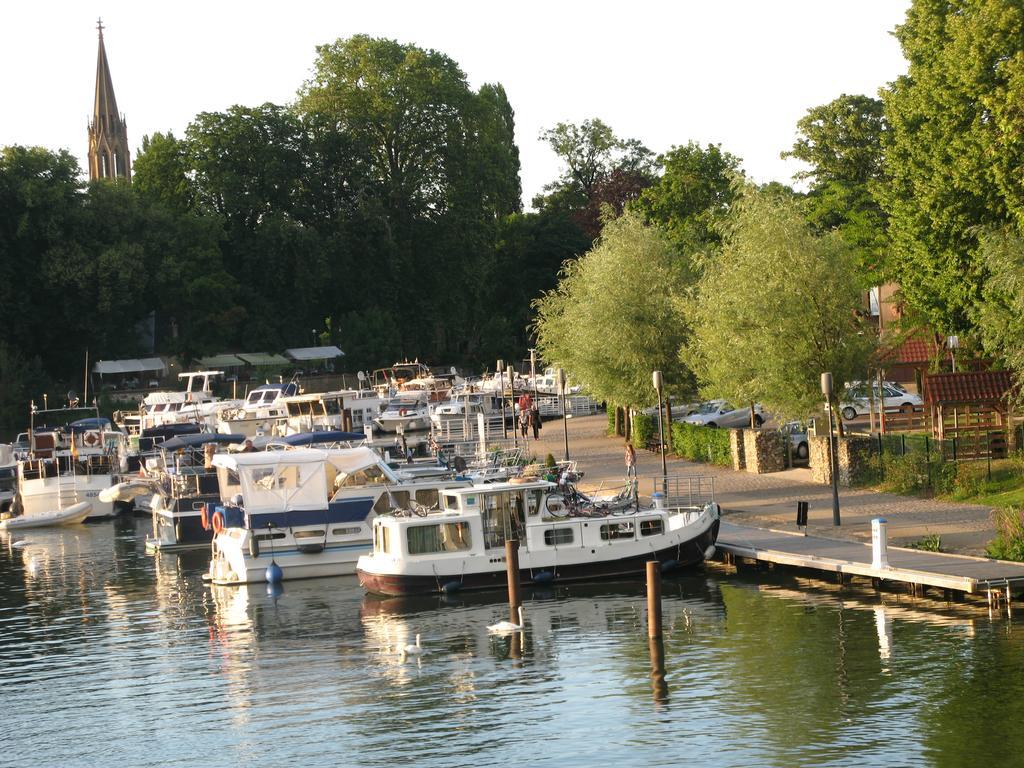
column 111, row 657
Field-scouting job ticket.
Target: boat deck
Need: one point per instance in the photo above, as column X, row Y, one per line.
column 972, row 575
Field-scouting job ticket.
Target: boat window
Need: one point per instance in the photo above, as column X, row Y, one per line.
column 534, row 499
column 382, row 539
column 308, row 534
column 653, row 526
column 268, row 536
column 369, row 476
column 350, row 531
column 451, row 501
column 332, row 407
column 555, row 536
column 254, row 397
column 613, row 531
column 387, row 502
column 426, row 497
column 440, row 537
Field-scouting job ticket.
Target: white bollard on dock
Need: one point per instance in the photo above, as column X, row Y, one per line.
column 879, row 542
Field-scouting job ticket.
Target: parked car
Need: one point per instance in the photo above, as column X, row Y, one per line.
column 719, row 413
column 857, row 400
column 797, row 432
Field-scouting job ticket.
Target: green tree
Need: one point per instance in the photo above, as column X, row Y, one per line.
column 841, row 142
column 160, row 172
column 1000, row 313
column 776, row 308
column 614, row 316
column 693, row 195
column 954, row 150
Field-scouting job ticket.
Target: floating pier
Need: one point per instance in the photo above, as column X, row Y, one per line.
column 918, row 568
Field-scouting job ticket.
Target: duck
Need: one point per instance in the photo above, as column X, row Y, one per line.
column 508, row 626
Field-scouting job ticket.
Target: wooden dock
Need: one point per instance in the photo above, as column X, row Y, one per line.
column 971, row 575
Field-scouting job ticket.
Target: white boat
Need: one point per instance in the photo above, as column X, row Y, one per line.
column 349, row 410
column 76, row 513
column 308, row 510
column 462, row 544
column 8, row 477
column 69, row 462
column 261, row 412
column 405, row 413
column 194, row 404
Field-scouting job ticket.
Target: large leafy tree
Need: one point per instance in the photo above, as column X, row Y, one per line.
column 954, row 151
column 692, row 197
column 776, row 308
column 842, row 144
column 614, row 316
column 1000, row 313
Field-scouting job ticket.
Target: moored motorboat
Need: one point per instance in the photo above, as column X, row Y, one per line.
column 307, row 510
column 405, row 413
column 462, row 544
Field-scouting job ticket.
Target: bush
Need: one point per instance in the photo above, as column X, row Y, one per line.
column 1009, row 541
column 643, row 430
column 549, row 461
column 698, row 443
column 611, row 419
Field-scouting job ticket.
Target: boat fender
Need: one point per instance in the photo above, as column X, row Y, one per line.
column 204, row 516
column 274, row 574
column 254, row 547
column 543, row 577
column 451, row 586
column 669, row 565
column 218, row 522
column 177, row 533
column 709, row 552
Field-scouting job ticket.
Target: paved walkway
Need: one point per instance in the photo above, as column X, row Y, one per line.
column 769, row 501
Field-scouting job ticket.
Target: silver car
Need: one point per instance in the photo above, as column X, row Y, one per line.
column 719, row 413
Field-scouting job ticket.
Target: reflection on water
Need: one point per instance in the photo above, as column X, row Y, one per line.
column 111, row 656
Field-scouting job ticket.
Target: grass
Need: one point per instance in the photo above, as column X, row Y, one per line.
column 930, row 543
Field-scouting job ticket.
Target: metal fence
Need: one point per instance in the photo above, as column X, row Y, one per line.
column 684, row 490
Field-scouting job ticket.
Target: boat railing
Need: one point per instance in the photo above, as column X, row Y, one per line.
column 684, row 491
column 575, row 405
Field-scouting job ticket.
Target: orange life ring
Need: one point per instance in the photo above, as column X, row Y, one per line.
column 91, row 439
column 218, row 522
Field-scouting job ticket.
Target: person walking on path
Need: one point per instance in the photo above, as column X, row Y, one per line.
column 535, row 420
column 630, row 461
column 524, row 424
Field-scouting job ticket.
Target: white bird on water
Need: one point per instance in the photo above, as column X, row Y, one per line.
column 414, row 650
column 508, row 626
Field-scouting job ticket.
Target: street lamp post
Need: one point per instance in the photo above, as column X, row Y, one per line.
column 658, row 386
column 826, row 390
column 501, row 392
column 565, row 422
column 512, row 399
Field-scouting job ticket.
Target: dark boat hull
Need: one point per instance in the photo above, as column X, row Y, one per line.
column 687, row 554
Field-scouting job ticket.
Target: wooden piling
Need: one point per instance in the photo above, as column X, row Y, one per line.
column 512, row 567
column 653, row 599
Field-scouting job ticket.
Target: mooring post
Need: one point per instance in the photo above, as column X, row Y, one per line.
column 653, row 599
column 512, row 567
column 879, row 543
column 1009, row 610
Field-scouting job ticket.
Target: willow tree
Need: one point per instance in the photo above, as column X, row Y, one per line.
column 615, row 315
column 775, row 308
column 999, row 315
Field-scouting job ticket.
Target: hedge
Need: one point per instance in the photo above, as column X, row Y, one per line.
column 643, row 430
column 699, row 443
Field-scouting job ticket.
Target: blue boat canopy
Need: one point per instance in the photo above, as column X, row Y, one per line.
column 316, row 438
column 192, row 441
column 95, row 422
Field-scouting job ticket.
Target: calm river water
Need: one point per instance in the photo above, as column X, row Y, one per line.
column 111, row 657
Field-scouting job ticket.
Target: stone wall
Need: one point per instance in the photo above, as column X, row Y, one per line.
column 737, row 445
column 854, row 455
column 765, row 451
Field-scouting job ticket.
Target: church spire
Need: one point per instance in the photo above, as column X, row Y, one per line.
column 108, row 132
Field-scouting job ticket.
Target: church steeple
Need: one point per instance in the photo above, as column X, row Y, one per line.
column 108, row 132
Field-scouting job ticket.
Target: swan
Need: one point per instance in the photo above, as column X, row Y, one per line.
column 508, row 626
column 414, row 650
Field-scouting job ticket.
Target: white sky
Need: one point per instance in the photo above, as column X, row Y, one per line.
column 735, row 72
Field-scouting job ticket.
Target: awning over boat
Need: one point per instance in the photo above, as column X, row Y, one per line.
column 220, row 361
column 145, row 365
column 314, row 353
column 191, row 441
column 318, row 438
column 263, row 359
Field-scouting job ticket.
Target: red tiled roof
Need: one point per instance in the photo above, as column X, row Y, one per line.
column 969, row 387
column 912, row 350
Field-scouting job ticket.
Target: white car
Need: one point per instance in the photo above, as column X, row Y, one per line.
column 857, row 401
column 797, row 433
column 719, row 413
